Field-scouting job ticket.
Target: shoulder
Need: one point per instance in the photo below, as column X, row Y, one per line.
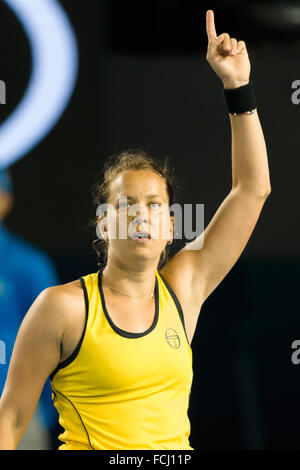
column 61, row 304
column 66, row 296
column 62, row 294
column 179, row 274
column 177, row 271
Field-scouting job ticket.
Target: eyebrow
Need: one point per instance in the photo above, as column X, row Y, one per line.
column 149, row 196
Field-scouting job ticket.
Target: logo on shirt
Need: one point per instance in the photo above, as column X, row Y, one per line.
column 172, row 338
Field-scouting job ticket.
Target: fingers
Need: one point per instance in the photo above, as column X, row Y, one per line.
column 241, row 47
column 225, row 38
column 233, row 44
column 237, row 47
column 230, row 45
column 210, row 25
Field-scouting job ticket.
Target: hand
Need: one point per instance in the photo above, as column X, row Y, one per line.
column 227, row 56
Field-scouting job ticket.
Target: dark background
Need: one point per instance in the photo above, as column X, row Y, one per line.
column 144, row 82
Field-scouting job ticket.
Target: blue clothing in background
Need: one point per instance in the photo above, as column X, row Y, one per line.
column 24, row 272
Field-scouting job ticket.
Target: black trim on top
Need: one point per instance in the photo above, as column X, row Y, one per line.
column 87, row 434
column 177, row 303
column 71, row 358
column 128, row 334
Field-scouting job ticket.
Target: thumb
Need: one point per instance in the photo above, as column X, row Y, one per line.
column 213, row 45
column 220, row 39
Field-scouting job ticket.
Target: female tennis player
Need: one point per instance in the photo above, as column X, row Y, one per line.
column 116, row 343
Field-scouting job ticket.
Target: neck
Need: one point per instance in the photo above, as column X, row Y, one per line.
column 131, row 281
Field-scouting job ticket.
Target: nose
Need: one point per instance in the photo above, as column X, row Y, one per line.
column 141, row 216
column 140, row 220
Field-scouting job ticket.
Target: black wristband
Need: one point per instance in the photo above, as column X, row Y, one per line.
column 239, row 100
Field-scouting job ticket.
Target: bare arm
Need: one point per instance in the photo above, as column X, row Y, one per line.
column 35, row 355
column 208, row 259
column 227, row 234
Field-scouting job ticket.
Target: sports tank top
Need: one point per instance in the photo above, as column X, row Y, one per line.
column 124, row 390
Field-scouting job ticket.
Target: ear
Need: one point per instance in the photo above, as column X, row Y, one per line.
column 102, row 228
column 172, row 219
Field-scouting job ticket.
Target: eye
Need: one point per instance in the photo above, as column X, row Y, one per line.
column 122, row 204
column 157, row 204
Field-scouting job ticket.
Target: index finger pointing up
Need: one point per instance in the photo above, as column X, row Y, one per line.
column 210, row 25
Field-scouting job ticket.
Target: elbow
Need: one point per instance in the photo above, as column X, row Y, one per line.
column 260, row 193
column 266, row 192
column 263, row 193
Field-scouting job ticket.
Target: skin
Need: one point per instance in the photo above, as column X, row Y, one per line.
column 131, row 265
column 53, row 324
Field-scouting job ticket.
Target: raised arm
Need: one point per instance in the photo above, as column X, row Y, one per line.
column 206, row 261
column 35, row 355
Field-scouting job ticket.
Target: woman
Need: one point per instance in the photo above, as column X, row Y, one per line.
column 116, row 343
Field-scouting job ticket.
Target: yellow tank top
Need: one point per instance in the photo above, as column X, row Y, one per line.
column 123, row 390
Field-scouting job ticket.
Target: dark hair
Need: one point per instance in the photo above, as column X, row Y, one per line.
column 130, row 159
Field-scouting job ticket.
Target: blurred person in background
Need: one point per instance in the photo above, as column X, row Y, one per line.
column 24, row 272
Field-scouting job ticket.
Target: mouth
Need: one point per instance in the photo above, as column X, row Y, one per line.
column 140, row 236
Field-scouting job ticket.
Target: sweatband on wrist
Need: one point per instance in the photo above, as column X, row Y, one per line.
column 240, row 100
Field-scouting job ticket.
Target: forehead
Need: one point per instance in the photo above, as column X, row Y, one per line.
column 137, row 183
